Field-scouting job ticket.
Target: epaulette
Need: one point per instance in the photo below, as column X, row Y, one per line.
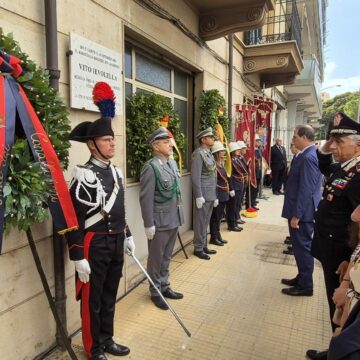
column 83, row 174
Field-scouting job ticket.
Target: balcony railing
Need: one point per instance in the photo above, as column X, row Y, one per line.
column 282, row 27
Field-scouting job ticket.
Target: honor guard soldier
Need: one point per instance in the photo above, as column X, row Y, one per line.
column 97, row 247
column 222, row 193
column 237, row 180
column 162, row 212
column 340, row 197
column 203, row 177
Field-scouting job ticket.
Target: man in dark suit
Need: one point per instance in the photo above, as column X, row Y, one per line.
column 278, row 166
column 340, row 197
column 302, row 195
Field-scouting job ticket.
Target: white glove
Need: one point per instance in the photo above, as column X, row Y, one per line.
column 83, row 269
column 232, row 193
column 199, row 202
column 129, row 245
column 150, row 232
column 216, row 202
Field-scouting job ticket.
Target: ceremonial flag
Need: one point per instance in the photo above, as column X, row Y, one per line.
column 245, row 131
column 222, row 137
column 265, row 108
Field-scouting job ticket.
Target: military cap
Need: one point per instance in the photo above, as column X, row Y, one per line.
column 344, row 126
column 218, row 146
column 88, row 130
column 233, row 146
column 159, row 134
column 206, row 132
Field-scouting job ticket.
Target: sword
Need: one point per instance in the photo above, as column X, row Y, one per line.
column 160, row 294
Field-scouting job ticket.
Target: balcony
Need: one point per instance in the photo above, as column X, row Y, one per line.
column 273, row 51
column 218, row 18
column 306, row 90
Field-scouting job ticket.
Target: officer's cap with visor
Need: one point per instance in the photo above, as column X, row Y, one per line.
column 344, row 126
column 104, row 99
column 159, row 134
column 205, row 133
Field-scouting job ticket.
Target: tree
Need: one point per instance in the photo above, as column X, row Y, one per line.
column 347, row 103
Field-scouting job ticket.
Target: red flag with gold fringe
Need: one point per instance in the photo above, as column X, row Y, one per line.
column 245, row 131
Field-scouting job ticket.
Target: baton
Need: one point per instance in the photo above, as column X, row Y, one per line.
column 161, row 295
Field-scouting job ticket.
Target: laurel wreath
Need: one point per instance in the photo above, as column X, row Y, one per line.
column 26, row 190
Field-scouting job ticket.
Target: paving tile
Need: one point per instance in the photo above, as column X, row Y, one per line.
column 233, row 305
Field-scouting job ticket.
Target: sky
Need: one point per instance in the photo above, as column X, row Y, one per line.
column 342, row 48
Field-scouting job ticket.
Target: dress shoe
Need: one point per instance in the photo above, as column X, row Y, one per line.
column 276, row 192
column 209, row 251
column 235, row 228
column 159, row 302
column 215, row 241
column 171, row 294
column 297, row 291
column 221, row 239
column 117, row 349
column 290, row 282
column 256, row 208
column 288, row 252
column 240, row 222
column 201, row 255
column 99, row 357
column 317, row 355
column 287, row 241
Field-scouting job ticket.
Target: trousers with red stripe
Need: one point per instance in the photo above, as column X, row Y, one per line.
column 105, row 253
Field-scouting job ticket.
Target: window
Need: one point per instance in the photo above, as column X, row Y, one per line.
column 145, row 74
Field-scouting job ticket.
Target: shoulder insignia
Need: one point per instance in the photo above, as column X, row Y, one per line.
column 83, row 173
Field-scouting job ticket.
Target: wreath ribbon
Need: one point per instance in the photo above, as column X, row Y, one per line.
column 10, row 64
column 13, row 101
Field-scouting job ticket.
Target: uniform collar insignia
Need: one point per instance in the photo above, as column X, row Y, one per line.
column 100, row 163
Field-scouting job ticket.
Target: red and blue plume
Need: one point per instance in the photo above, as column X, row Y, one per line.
column 104, row 99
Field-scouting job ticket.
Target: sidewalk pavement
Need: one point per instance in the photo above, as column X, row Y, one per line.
column 232, row 304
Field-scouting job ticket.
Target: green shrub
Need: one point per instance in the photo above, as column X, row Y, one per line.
column 144, row 114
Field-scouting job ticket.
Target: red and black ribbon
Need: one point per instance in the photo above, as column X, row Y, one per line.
column 13, row 100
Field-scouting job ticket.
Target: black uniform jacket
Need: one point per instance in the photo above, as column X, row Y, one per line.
column 238, row 174
column 223, row 184
column 112, row 223
column 340, row 197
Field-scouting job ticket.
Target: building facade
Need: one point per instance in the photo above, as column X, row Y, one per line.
column 176, row 49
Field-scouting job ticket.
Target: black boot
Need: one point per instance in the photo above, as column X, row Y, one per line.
column 221, row 239
column 215, row 241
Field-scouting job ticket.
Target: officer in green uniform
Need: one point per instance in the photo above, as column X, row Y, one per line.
column 203, row 177
column 162, row 213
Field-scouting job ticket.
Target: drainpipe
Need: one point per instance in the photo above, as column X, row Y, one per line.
column 230, row 84
column 58, row 243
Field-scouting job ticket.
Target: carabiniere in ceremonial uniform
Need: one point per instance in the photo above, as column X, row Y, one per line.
column 340, row 197
column 97, row 247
